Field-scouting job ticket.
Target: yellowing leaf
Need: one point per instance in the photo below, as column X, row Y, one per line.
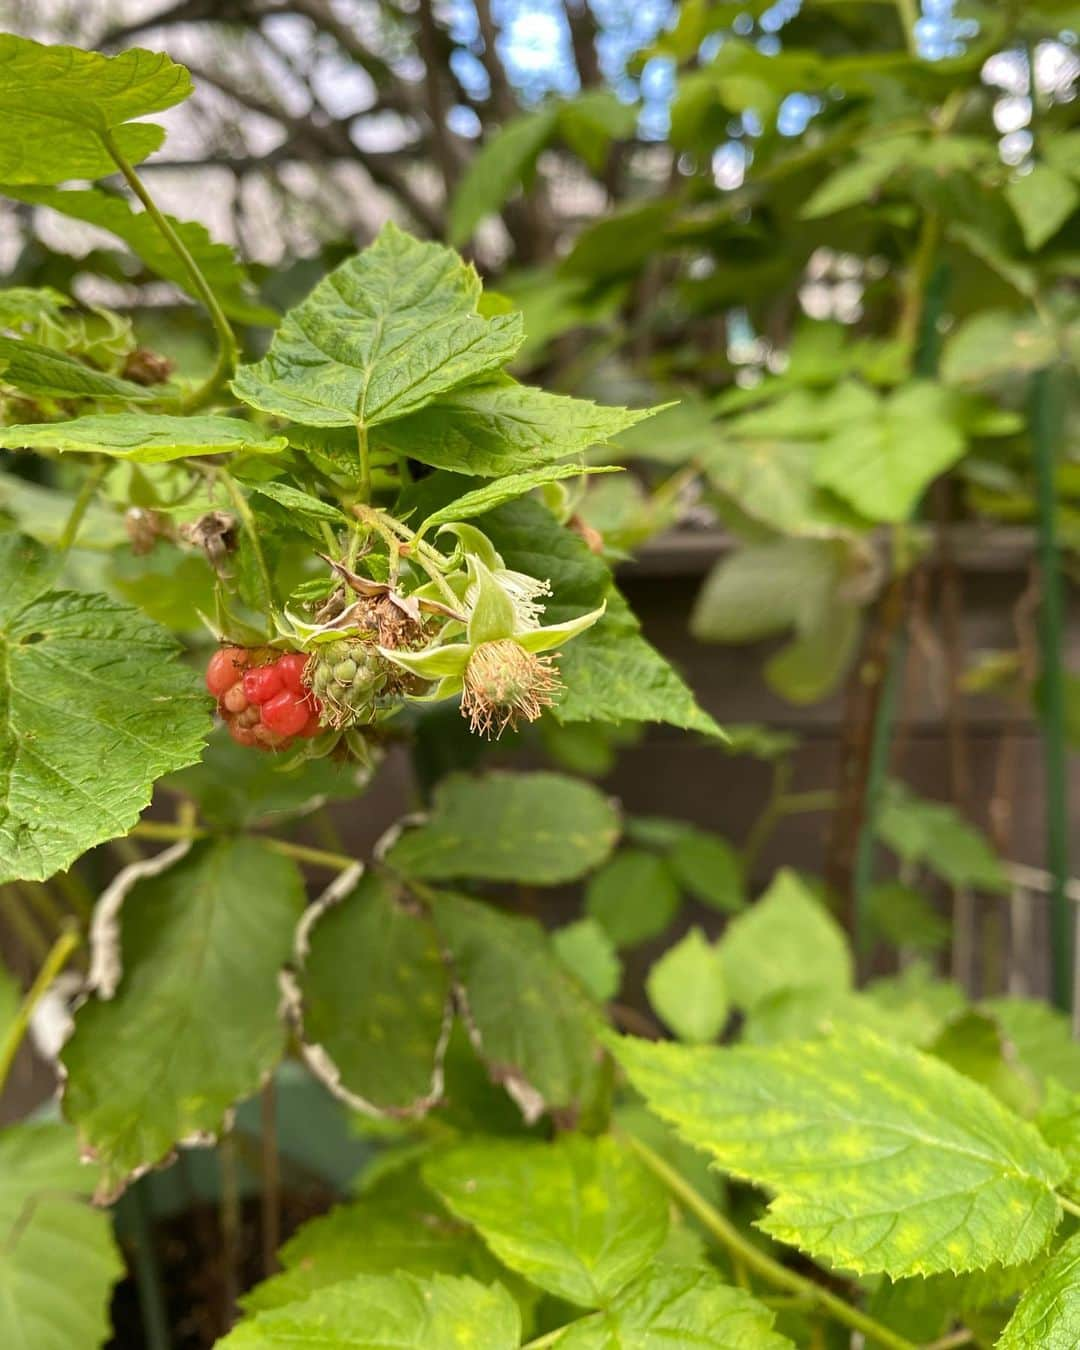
column 881, row 1159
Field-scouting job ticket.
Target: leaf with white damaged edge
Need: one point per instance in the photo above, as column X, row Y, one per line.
column 381, row 336
column 372, row 997
column 958, row 1182
column 388, row 1312
column 44, row 1220
column 1048, row 1315
column 537, row 1031
column 578, row 1217
column 185, row 1021
column 540, row 828
column 679, row 1308
column 144, row 438
column 94, row 707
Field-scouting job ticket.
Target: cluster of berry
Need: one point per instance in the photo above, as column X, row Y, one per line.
column 262, row 697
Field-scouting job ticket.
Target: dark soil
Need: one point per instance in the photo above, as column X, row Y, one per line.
column 189, row 1252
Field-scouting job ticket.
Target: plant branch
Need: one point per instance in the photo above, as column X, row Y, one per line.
column 757, row 1261
column 54, row 963
column 908, row 13
column 81, row 505
column 227, row 348
column 243, row 510
column 318, row 857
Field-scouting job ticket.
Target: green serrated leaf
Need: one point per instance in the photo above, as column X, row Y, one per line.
column 505, row 489
column 373, row 992
column 60, row 104
column 959, row 1182
column 43, row 1219
column 303, row 503
column 788, row 940
column 388, row 1312
column 710, row 869
column 235, row 789
column 497, row 169
column 882, row 464
column 936, row 835
column 764, row 589
column 193, row 1023
column 535, row 1032
column 633, row 898
column 369, row 1238
column 688, row 990
column 1048, row 1315
column 34, row 369
column 144, row 438
column 680, row 1308
column 974, row 1044
column 495, row 427
column 1042, row 199
column 538, row 828
column 612, row 674
column 380, row 337
column 587, row 952
column 1041, row 1037
column 578, row 1217
column 218, row 262
column 94, row 707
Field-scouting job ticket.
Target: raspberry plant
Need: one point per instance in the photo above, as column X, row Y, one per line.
column 375, row 518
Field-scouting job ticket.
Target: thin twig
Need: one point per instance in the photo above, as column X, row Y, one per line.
column 271, row 1179
column 229, row 1217
column 90, row 485
column 54, row 963
column 758, row 1261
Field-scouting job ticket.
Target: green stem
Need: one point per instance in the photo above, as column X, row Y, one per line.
column 549, row 1338
column 318, row 857
column 152, row 1313
column 54, row 963
column 725, row 1232
column 90, row 485
column 227, row 346
column 243, row 510
column 769, row 816
column 1047, row 415
column 365, row 461
column 1069, row 1206
column 908, row 11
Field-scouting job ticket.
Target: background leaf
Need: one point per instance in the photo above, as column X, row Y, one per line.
column 540, row 828
column 633, row 897
column 787, row 940
column 1048, row 1315
column 687, row 989
column 35, row 369
column 373, row 1312
column 43, row 1218
column 579, row 1217
column 94, row 707
column 588, row 953
column 497, row 169
column 681, row 1308
column 193, row 1024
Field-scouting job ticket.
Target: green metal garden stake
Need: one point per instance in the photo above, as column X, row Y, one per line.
column 1047, row 420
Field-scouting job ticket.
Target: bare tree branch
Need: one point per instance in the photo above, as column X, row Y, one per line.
column 436, row 105
column 502, row 96
column 583, row 32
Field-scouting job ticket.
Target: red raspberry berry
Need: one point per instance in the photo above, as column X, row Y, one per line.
column 242, row 735
column 311, row 727
column 266, row 738
column 285, row 714
column 262, row 683
column 225, row 669
column 291, row 669
column 234, row 700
